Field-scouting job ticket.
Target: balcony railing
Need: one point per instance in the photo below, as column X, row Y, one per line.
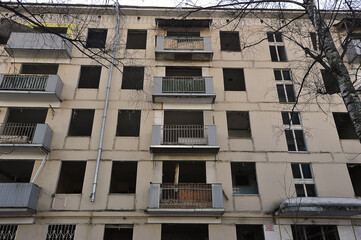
column 185, row 134
column 24, row 82
column 186, row 196
column 184, row 85
column 183, row 43
column 17, row 133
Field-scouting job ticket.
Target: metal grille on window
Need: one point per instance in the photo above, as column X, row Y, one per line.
column 276, row 47
column 294, row 132
column 284, row 83
column 8, row 232
column 303, row 179
column 60, row 232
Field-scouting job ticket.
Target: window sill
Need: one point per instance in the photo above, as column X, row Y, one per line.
column 302, row 152
column 121, row 194
column 246, row 195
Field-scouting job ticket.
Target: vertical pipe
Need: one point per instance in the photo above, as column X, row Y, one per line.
column 95, row 182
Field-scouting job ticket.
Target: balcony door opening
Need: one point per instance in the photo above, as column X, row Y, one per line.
column 16, row 171
column 27, row 115
column 184, row 172
column 183, row 71
column 184, row 232
column 184, row 33
column 39, row 68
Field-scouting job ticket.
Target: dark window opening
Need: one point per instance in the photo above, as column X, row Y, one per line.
column 89, row 76
column 124, row 177
column 183, row 34
column 233, row 79
column 184, row 172
column 244, row 180
column 184, row 231
column 81, row 122
column 345, row 128
column 330, row 82
column 324, row 232
column 16, row 171
column 238, row 125
column 133, row 78
column 27, row 115
column 295, row 140
column 116, row 232
column 39, row 69
column 313, row 37
column 230, row 41
column 249, row 232
column 96, row 38
column 290, row 118
column 355, row 174
column 274, row 37
column 183, row 71
column 183, row 118
column 278, row 53
column 58, row 30
column 71, row 177
column 128, row 123
column 137, row 39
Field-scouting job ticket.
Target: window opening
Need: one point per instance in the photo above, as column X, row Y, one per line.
column 184, row 172
column 276, row 47
column 71, row 177
column 293, row 132
column 330, row 82
column 96, row 38
column 249, row 232
column 81, row 122
column 114, row 232
column 16, row 171
column 184, row 231
column 314, row 41
column 230, row 41
column 238, row 125
column 244, row 180
column 89, row 76
column 311, row 232
column 124, row 177
column 284, row 84
column 233, row 79
column 345, row 128
column 136, row 39
column 128, row 123
column 39, row 69
column 355, row 174
column 133, row 78
column 303, row 179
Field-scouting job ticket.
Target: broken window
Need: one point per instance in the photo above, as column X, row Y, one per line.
column 310, row 232
column 284, row 83
column 230, row 41
column 233, row 79
column 294, row 132
column 133, row 78
column 184, row 231
column 128, row 123
column 137, row 39
column 330, row 82
column 238, row 125
column 71, row 177
column 96, row 38
column 184, row 172
column 314, row 41
column 249, row 232
column 39, row 68
column 345, row 128
column 244, row 180
column 89, row 76
column 276, row 47
column 63, row 232
column 81, row 122
column 303, row 179
column 124, row 177
column 8, row 232
column 16, row 171
column 355, row 174
column 115, row 232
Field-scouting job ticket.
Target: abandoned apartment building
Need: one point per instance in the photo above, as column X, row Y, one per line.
column 200, row 140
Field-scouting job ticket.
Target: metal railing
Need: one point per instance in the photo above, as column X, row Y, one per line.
column 183, row 85
column 185, row 134
column 184, row 195
column 24, row 82
column 184, row 43
column 17, row 133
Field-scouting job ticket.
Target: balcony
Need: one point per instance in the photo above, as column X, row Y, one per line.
column 183, row 89
column 353, row 51
column 184, row 48
column 25, row 137
column 186, row 198
column 21, row 87
column 184, row 138
column 38, row 45
column 18, row 199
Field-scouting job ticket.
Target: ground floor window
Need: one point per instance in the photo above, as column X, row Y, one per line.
column 315, row 232
column 8, row 232
column 185, row 232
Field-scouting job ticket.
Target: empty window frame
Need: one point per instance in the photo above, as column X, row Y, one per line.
column 136, row 39
column 244, row 179
column 233, row 79
column 128, row 123
column 330, row 82
column 27, row 115
column 63, row 232
column 184, row 172
column 355, row 174
column 16, row 171
column 230, row 41
column 184, row 231
column 294, row 132
column 284, row 84
column 345, row 128
column 303, row 179
column 314, row 41
column 89, row 77
column 58, row 30
column 96, row 38
column 238, row 125
column 249, row 232
column 81, row 122
column 311, row 232
column 276, row 47
column 71, row 177
column 124, row 177
column 133, row 78
column 113, row 232
column 8, row 232
column 39, row 68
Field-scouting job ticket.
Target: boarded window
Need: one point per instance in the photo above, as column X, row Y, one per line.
column 244, row 180
column 233, row 79
column 124, row 177
column 39, row 68
column 330, row 82
column 230, row 41
column 345, row 128
column 137, row 39
column 96, row 38
column 81, row 122
column 355, row 175
column 249, row 232
column 238, row 125
column 89, row 76
column 133, row 78
column 128, row 123
column 71, row 177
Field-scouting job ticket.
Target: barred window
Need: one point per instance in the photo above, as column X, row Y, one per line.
column 8, row 232
column 63, row 232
